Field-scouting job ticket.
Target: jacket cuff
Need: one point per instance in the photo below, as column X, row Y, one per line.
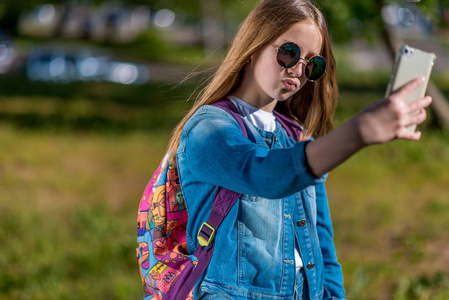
column 302, row 167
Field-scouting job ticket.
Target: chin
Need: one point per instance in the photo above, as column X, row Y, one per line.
column 286, row 95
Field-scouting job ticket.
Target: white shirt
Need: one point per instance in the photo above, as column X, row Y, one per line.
column 261, row 119
column 266, row 121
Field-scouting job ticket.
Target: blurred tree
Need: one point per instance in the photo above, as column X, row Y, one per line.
column 218, row 19
column 349, row 18
column 346, row 18
column 10, row 11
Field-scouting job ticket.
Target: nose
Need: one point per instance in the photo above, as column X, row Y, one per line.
column 298, row 69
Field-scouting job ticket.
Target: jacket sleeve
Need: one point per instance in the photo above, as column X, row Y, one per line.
column 333, row 275
column 217, row 153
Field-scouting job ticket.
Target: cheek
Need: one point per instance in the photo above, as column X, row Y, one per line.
column 268, row 73
column 261, row 65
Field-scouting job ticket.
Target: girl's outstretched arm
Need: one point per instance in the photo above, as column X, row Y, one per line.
column 380, row 122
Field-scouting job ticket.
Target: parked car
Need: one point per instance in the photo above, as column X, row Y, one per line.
column 65, row 64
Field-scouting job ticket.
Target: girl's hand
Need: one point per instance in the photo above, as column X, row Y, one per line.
column 388, row 119
column 380, row 122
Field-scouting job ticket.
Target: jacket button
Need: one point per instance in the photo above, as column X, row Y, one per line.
column 310, row 265
column 301, row 223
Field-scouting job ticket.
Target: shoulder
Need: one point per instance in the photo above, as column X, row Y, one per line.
column 209, row 117
column 204, row 110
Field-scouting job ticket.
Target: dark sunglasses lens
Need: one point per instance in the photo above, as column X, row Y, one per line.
column 288, row 55
column 315, row 68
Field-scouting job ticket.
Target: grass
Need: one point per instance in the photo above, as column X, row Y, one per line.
column 388, row 203
column 70, row 192
column 68, row 205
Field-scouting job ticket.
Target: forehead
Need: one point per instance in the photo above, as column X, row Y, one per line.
column 305, row 34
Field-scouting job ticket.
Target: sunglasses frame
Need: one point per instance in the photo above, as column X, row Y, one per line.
column 299, row 59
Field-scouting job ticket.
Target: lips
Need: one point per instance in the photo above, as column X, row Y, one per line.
column 290, row 84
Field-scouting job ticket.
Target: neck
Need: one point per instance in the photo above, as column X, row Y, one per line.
column 250, row 92
column 260, row 104
column 264, row 103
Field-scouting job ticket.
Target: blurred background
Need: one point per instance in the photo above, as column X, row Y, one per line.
column 90, row 91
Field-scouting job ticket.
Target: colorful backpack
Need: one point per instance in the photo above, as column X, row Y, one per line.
column 167, row 270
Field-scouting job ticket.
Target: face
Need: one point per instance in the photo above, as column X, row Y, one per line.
column 265, row 80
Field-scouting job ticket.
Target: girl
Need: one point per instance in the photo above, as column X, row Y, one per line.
column 276, row 242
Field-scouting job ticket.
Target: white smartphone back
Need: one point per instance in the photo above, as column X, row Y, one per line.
column 411, row 63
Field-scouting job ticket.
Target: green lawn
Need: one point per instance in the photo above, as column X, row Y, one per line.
column 75, row 161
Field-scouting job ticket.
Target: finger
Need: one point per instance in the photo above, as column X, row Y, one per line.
column 416, row 136
column 408, row 135
column 416, row 119
column 418, row 105
column 407, row 88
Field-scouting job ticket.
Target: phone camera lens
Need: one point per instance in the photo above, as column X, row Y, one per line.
column 408, row 51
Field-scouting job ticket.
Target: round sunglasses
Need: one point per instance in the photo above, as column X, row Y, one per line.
column 288, row 56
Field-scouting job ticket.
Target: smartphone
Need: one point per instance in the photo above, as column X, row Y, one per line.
column 411, row 63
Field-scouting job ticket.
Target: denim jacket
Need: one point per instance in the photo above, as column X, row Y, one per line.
column 282, row 206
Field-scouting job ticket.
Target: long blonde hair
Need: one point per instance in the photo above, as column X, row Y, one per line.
column 313, row 106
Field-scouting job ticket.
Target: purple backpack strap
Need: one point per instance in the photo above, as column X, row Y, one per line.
column 290, row 126
column 223, row 202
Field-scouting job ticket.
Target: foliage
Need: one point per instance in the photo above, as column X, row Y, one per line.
column 153, row 46
column 353, row 18
column 347, row 18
